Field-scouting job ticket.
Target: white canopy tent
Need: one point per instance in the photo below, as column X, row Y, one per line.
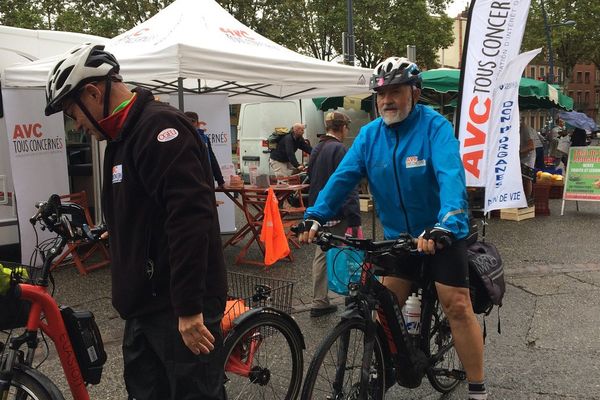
column 195, row 46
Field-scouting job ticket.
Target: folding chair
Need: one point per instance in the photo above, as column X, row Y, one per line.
column 80, row 250
column 292, row 214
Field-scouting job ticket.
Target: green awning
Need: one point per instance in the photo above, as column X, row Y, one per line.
column 440, row 89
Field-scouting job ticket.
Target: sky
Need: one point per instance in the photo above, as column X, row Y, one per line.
column 455, row 7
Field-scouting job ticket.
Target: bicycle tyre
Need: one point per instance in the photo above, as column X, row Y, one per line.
column 317, row 376
column 30, row 384
column 438, row 342
column 270, row 374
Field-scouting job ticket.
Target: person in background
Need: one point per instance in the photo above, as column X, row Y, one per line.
column 538, row 142
column 324, row 159
column 412, row 161
column 579, row 137
column 169, row 281
column 283, row 159
column 527, row 156
column 214, row 163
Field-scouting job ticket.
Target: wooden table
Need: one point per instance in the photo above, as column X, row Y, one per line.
column 250, row 199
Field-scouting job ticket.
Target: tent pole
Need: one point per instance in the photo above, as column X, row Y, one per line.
column 180, row 93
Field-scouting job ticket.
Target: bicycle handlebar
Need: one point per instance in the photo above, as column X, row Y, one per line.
column 403, row 245
column 51, row 214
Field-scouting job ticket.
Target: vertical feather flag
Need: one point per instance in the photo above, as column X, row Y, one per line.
column 272, row 233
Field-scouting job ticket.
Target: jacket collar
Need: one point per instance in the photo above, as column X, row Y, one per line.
column 142, row 98
column 407, row 122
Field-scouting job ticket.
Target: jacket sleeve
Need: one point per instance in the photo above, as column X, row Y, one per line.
column 340, row 184
column 290, row 149
column 214, row 165
column 176, row 175
column 351, row 207
column 305, row 147
column 450, row 174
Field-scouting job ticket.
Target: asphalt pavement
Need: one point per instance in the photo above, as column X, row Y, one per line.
column 550, row 341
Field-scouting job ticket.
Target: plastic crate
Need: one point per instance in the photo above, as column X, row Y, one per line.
column 541, row 194
column 250, row 291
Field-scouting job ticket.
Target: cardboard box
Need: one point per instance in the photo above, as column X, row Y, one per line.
column 517, row 214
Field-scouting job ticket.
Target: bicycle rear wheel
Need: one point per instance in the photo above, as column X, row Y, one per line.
column 448, row 371
column 264, row 359
column 335, row 370
column 29, row 384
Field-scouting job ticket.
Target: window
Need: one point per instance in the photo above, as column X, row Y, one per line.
column 587, row 77
column 579, row 77
column 559, row 75
column 542, row 72
column 597, row 98
column 541, row 123
column 532, row 72
column 598, row 76
column 579, row 97
column 586, row 97
column 532, row 121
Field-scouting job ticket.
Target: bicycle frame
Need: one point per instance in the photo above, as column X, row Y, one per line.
column 372, row 301
column 54, row 328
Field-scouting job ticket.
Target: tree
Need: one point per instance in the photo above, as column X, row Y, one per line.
column 312, row 27
column 570, row 45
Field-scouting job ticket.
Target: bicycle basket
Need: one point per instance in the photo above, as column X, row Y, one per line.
column 13, row 311
column 249, row 291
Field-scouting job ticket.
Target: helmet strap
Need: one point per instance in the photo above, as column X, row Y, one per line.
column 107, row 87
column 89, row 116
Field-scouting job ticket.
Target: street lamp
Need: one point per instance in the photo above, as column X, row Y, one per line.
column 348, row 37
column 548, row 28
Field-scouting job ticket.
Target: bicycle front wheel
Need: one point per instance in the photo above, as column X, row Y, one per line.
column 29, row 384
column 335, row 370
column 448, row 371
column 264, row 359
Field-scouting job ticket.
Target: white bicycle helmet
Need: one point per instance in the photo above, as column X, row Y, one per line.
column 394, row 71
column 81, row 65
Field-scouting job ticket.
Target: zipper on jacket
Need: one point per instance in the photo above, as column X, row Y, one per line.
column 398, row 183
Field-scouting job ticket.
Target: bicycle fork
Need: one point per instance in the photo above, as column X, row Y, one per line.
column 14, row 356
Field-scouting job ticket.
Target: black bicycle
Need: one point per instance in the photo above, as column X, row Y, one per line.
column 370, row 349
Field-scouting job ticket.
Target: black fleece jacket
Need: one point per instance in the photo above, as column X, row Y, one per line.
column 324, row 159
column 160, row 208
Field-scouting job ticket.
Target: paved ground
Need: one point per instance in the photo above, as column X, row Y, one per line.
column 550, row 340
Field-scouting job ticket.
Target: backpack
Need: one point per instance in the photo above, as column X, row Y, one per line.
column 486, row 277
column 275, row 137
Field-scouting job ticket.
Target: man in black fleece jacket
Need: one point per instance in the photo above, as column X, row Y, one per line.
column 324, row 159
column 168, row 274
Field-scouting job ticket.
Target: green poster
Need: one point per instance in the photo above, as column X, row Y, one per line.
column 583, row 174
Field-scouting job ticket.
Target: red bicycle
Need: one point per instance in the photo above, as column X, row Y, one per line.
column 263, row 346
column 28, row 303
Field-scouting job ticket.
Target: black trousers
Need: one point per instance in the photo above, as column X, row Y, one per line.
column 159, row 366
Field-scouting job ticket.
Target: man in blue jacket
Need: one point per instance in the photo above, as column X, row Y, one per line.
column 412, row 162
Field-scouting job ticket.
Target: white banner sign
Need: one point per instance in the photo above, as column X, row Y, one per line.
column 38, row 157
column 213, row 111
column 504, row 185
column 493, row 40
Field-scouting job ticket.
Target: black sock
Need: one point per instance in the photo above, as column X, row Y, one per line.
column 477, row 391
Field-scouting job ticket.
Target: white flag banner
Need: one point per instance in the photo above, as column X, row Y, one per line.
column 494, row 33
column 213, row 114
column 504, row 185
column 38, row 157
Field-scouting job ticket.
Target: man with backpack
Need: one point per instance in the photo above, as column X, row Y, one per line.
column 283, row 159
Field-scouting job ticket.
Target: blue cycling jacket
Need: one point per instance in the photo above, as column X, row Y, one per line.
column 415, row 175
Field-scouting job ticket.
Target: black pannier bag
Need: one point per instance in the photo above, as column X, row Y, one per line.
column 87, row 343
column 486, row 277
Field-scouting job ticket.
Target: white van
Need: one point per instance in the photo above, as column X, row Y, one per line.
column 258, row 120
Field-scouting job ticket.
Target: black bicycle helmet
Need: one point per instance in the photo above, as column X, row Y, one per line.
column 81, row 65
column 395, row 71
